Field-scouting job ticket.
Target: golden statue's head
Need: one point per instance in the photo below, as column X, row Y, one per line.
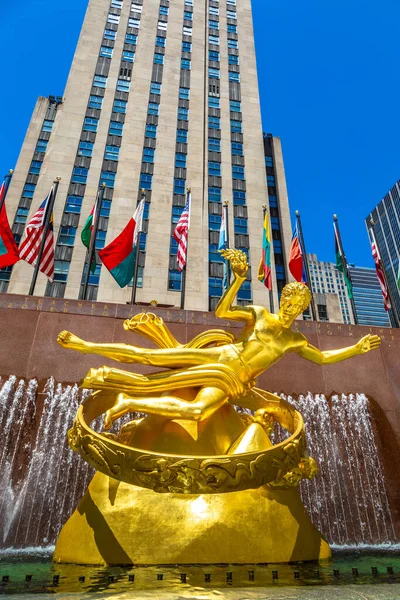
column 295, row 298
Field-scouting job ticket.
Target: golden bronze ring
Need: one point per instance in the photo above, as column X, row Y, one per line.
column 283, row 465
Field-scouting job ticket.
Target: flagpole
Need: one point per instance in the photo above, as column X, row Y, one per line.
column 46, row 223
column 303, row 246
column 225, row 208
column 183, row 284
column 271, row 295
column 339, row 237
column 393, row 309
column 136, row 268
column 7, row 180
column 92, row 245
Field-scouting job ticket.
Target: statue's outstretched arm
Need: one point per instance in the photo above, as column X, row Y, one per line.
column 224, row 309
column 330, row 357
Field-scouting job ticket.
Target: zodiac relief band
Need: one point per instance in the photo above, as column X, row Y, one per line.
column 215, row 368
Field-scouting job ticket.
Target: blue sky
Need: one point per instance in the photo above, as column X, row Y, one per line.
column 329, row 84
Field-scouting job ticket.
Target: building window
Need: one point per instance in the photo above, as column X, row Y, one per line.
column 111, row 153
column 186, row 47
column 181, row 136
column 158, row 58
column 67, row 236
column 90, row 124
column 240, row 226
column 214, row 122
column 214, row 145
column 163, row 10
column 180, row 160
column 109, row 34
column 116, row 128
column 128, row 56
column 188, row 16
column 95, row 102
column 184, row 93
column 117, row 3
column 236, row 126
column 212, row 55
column 155, row 88
column 151, row 131
column 145, row 181
column 113, row 19
column 237, row 149
column 153, row 109
column 187, row 31
column 214, row 194
column 120, row 106
column 214, row 222
column 237, row 172
column 268, row 161
column 231, row 14
column 105, row 51
column 185, row 64
column 233, row 59
column 85, row 149
column 176, row 213
column 35, row 167
column 108, row 177
column 29, row 190
column 41, row 146
column 233, row 44
column 239, row 198
column 214, row 168
column 213, row 39
column 105, row 208
column 183, row 114
column 234, row 76
column 232, row 28
column 73, row 204
column 162, row 26
column 213, row 102
column 160, row 41
column 213, row 73
column 123, row 86
column 131, row 38
column 134, row 22
column 175, row 281
column 213, row 24
column 61, row 268
column 235, row 106
column 100, row 81
column 271, row 180
column 79, row 175
column 47, row 125
column 212, row 10
column 179, row 186
column 148, row 155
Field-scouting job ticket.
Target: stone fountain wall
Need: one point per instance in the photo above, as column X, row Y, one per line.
column 358, row 435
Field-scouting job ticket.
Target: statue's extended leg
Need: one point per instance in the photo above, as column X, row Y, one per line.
column 207, row 401
column 168, row 357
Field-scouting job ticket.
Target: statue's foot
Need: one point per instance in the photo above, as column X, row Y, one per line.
column 123, row 405
column 71, row 341
column 96, row 378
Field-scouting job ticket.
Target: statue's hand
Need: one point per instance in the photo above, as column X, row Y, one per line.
column 367, row 343
column 69, row 340
column 238, row 260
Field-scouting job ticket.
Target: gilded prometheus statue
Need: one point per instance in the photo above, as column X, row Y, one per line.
column 217, row 373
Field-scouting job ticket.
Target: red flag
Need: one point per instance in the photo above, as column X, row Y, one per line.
column 30, row 247
column 8, row 248
column 380, row 273
column 296, row 266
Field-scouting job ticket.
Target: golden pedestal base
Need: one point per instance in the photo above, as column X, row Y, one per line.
column 117, row 523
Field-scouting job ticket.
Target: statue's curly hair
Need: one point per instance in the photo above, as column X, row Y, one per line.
column 301, row 289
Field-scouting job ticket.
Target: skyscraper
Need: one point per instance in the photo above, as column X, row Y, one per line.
column 368, row 298
column 386, row 217
column 160, row 96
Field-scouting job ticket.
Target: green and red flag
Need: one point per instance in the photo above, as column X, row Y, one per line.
column 86, row 235
column 264, row 270
column 341, row 263
column 120, row 255
column 9, row 254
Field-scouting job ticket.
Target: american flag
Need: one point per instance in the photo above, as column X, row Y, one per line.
column 30, row 247
column 380, row 272
column 181, row 233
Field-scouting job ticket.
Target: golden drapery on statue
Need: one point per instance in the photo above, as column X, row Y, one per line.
column 192, row 440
